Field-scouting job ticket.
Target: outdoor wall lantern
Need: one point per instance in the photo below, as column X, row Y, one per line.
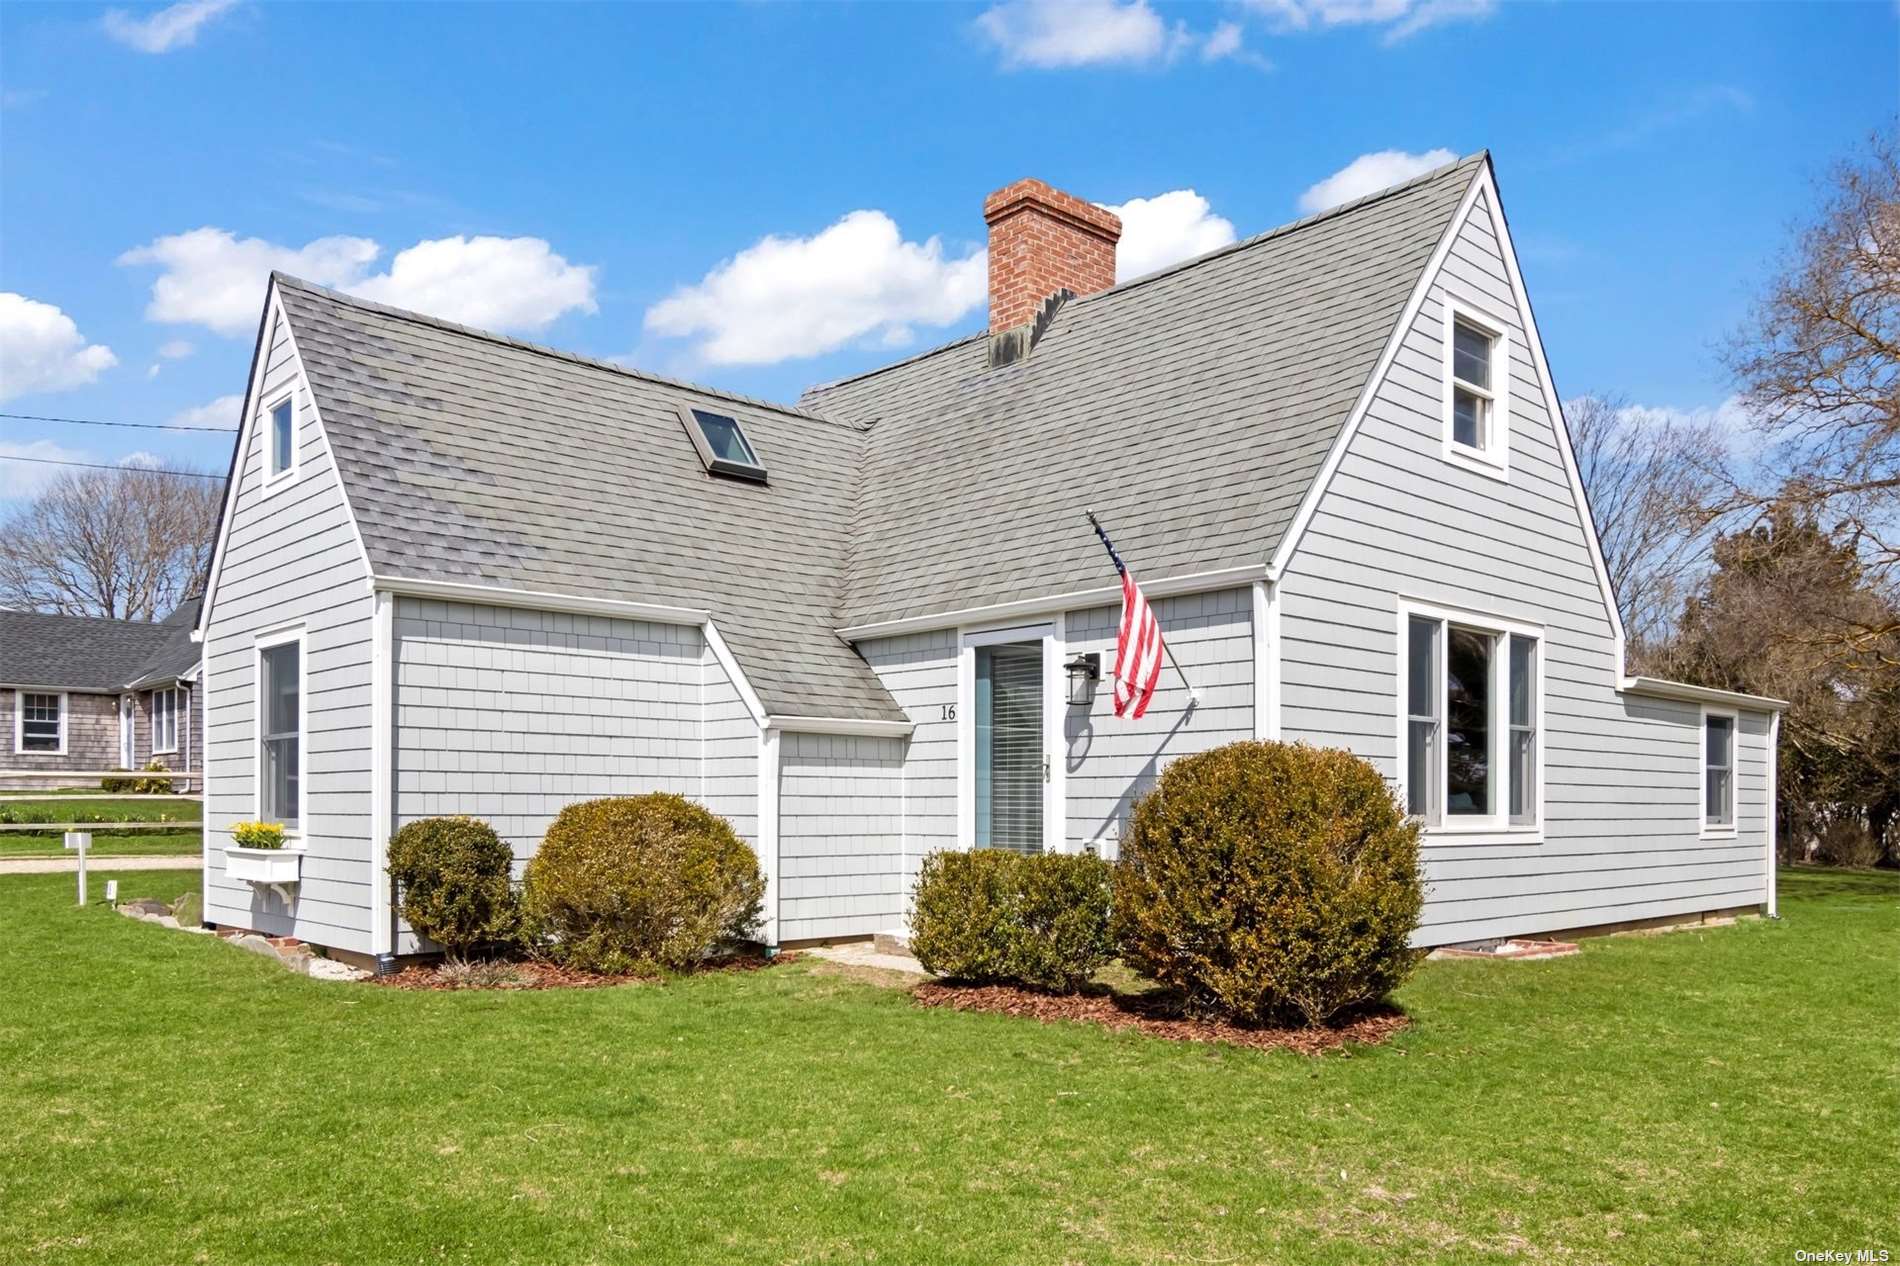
column 1084, row 671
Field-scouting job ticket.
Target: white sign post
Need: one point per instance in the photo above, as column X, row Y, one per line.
column 81, row 840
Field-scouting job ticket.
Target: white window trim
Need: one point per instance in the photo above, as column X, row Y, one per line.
column 273, row 480
column 19, row 722
column 1732, row 828
column 1055, row 705
column 1494, row 459
column 1495, row 827
column 173, row 749
column 260, row 643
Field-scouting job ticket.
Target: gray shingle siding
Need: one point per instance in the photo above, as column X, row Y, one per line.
column 729, row 748
column 1114, row 762
column 1620, row 772
column 920, row 671
column 841, row 867
column 292, row 557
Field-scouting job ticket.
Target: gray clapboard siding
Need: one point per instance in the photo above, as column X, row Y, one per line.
column 841, row 843
column 1621, row 773
column 729, row 748
column 1111, row 762
column 508, row 715
column 920, row 671
column 292, row 558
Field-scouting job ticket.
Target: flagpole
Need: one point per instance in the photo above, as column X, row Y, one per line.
column 1194, row 696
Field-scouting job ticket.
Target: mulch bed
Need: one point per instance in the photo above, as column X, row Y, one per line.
column 540, row 974
column 1160, row 1017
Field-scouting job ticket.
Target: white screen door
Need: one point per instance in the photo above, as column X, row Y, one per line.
column 1010, row 768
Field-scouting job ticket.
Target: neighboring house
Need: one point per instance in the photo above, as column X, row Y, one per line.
column 84, row 694
column 458, row 573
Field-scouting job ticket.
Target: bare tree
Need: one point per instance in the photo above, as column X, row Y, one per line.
column 130, row 543
column 1819, row 367
column 1650, row 479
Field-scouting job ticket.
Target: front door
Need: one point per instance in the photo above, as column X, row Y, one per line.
column 1012, row 768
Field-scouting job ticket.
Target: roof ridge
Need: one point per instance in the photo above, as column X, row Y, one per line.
column 92, row 619
column 542, row 349
column 1231, row 248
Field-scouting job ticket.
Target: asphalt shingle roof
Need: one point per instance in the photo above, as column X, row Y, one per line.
column 79, row 652
column 474, row 458
column 1190, row 410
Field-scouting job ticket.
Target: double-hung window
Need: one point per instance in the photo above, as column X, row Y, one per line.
column 1477, row 394
column 1718, row 773
column 280, row 733
column 40, row 724
column 164, row 721
column 1471, row 714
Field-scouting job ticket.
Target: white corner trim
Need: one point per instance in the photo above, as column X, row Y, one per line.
column 1493, row 459
column 19, row 721
column 966, row 743
column 1266, row 661
column 1041, row 608
column 1682, row 691
column 769, row 831
column 1706, row 829
column 853, row 727
column 1055, row 753
column 1774, row 812
column 382, row 799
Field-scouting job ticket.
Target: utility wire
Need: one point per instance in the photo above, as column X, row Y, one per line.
column 57, row 461
column 139, row 426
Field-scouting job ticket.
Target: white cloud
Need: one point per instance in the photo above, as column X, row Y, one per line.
column 1223, row 41
column 1370, row 173
column 1730, row 419
column 505, row 283
column 42, row 350
column 175, row 349
column 1066, row 33
column 27, row 478
column 143, row 460
column 1166, row 229
column 222, row 412
column 788, row 297
column 1400, row 18
column 169, row 28
column 213, row 278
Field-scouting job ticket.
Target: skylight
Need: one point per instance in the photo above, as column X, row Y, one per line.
column 722, row 443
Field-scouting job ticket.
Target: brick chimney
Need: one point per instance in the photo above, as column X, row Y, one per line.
column 1044, row 241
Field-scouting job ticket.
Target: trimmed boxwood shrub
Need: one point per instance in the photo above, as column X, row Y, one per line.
column 641, row 883
column 1270, row 881
column 452, row 883
column 1038, row 919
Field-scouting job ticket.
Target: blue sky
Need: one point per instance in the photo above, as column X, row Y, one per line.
column 762, row 196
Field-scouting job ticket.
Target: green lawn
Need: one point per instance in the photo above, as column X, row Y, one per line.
column 123, row 844
column 1722, row 1096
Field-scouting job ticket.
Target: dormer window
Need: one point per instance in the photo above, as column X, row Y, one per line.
column 722, row 444
column 280, row 444
column 1477, row 399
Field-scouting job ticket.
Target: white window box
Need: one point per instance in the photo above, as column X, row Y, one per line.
column 271, row 867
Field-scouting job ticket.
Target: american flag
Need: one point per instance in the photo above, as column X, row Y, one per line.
column 1138, row 647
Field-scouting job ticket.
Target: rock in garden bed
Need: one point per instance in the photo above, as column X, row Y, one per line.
column 1160, row 1018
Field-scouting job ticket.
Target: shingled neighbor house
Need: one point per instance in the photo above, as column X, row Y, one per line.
column 461, row 574
column 83, row 694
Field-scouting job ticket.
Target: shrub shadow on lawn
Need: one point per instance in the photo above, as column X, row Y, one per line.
column 537, row 973
column 1159, row 1012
